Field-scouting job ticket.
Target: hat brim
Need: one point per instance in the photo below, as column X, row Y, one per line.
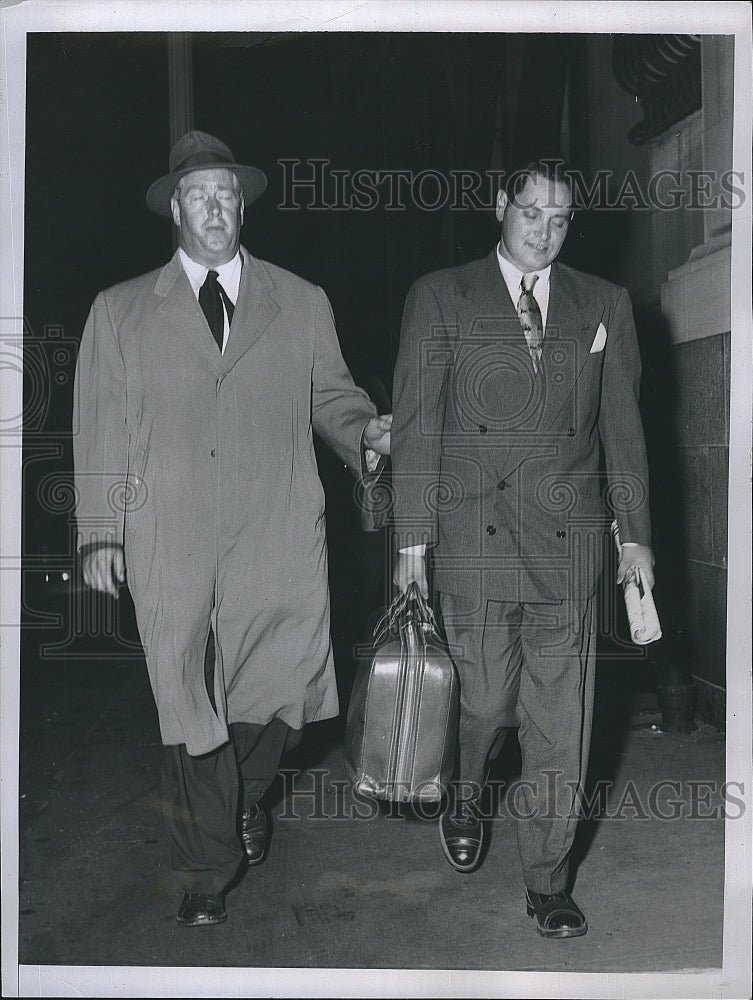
column 252, row 180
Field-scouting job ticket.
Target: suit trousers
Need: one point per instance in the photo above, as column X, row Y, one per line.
column 528, row 666
column 203, row 797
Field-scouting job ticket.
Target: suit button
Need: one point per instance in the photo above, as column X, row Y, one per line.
column 571, row 432
column 561, row 534
column 212, row 452
column 501, row 485
column 482, row 428
column 491, row 530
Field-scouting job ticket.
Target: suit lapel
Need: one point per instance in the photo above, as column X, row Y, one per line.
column 569, row 315
column 570, row 326
column 487, row 308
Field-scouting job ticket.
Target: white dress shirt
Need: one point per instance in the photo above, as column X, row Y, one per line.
column 228, row 275
column 513, row 277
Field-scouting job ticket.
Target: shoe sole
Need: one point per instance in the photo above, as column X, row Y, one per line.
column 202, row 923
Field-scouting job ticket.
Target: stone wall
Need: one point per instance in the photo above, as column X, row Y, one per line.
column 679, row 277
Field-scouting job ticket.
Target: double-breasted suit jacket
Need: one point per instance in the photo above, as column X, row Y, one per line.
column 202, row 464
column 504, row 471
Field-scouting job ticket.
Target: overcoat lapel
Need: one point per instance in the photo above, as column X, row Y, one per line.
column 178, row 309
column 255, row 309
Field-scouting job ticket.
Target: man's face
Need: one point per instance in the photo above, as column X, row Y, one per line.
column 208, row 211
column 534, row 227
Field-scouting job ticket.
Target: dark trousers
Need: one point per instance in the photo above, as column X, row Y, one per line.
column 530, row 667
column 203, row 797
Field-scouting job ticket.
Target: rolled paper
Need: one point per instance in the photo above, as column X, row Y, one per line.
column 641, row 611
column 643, row 618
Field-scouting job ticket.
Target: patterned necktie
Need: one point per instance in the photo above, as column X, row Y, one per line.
column 529, row 315
column 211, row 297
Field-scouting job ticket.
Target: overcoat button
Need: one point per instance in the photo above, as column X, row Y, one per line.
column 482, row 428
column 212, row 453
column 561, row 534
column 501, row 485
column 491, row 530
column 571, row 432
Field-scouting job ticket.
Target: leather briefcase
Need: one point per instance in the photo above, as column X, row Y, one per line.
column 401, row 730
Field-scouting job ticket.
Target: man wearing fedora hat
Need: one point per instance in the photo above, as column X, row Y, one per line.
column 198, row 387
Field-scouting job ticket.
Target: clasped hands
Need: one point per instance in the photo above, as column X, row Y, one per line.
column 376, row 439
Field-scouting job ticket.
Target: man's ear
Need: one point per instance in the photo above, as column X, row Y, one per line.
column 501, row 204
column 175, row 209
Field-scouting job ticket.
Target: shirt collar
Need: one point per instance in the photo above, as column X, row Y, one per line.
column 512, row 274
column 229, row 274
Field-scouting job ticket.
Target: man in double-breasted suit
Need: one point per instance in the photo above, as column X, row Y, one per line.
column 515, row 418
column 199, row 386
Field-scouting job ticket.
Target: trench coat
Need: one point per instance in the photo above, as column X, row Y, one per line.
column 202, row 465
column 511, row 476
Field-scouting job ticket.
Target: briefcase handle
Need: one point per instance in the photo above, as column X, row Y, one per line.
column 408, row 606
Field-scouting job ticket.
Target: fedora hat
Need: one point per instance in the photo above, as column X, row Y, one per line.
column 202, row 151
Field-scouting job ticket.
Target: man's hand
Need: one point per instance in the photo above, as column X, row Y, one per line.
column 376, row 435
column 640, row 556
column 104, row 568
column 411, row 568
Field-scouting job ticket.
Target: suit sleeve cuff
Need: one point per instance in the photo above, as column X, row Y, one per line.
column 413, row 550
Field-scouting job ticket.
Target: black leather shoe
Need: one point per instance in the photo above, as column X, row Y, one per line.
column 254, row 833
column 557, row 915
column 462, row 834
column 200, row 909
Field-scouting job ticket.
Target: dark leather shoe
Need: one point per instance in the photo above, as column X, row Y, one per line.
column 200, row 909
column 557, row 915
column 461, row 833
column 254, row 833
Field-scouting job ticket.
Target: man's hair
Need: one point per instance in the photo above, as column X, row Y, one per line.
column 550, row 168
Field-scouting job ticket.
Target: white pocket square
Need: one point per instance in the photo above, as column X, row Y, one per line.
column 599, row 340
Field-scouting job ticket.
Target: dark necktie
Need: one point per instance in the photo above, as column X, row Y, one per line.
column 529, row 315
column 211, row 297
